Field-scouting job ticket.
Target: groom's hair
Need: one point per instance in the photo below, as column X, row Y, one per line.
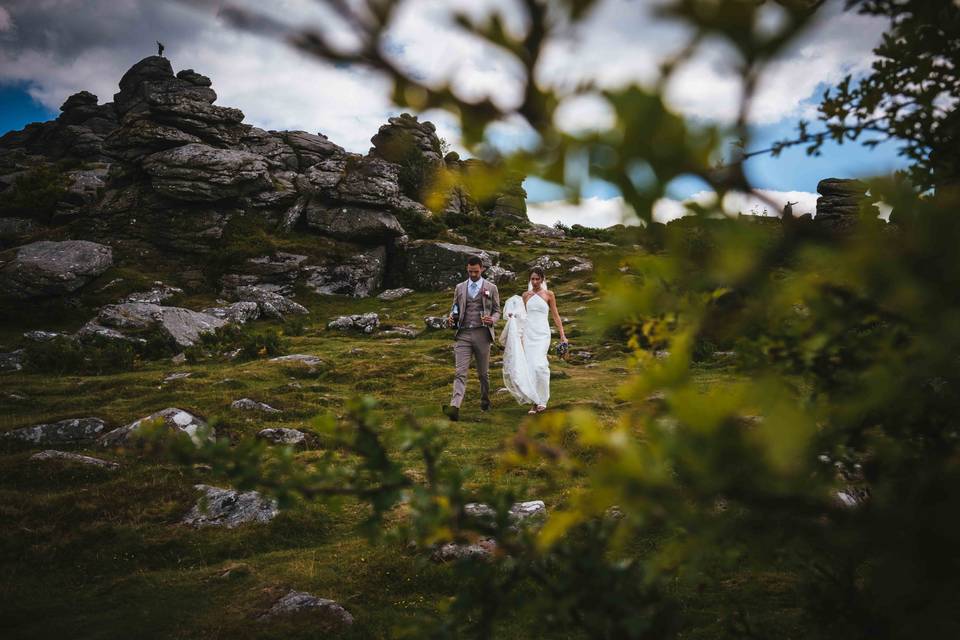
column 475, row 260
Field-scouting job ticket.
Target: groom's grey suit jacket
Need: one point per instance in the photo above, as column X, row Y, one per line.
column 491, row 303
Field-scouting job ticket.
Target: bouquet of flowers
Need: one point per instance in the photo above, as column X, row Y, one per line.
column 563, row 349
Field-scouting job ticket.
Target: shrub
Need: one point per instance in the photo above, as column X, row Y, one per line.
column 67, row 355
column 35, row 194
column 230, row 338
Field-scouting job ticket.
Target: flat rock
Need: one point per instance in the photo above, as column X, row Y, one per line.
column 48, row 268
column 229, row 508
column 247, row 404
column 183, row 326
column 394, row 294
column 282, row 435
column 173, row 419
column 334, row 615
column 74, row 431
column 365, row 322
column 51, row 454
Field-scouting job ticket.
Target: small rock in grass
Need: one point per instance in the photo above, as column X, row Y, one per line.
column 71, row 431
column 246, row 404
column 229, row 508
column 281, row 435
column 295, row 601
column 395, row 294
column 51, row 454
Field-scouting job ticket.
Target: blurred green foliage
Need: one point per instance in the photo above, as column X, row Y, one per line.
column 834, row 452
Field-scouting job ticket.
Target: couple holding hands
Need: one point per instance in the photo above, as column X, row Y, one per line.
column 525, row 338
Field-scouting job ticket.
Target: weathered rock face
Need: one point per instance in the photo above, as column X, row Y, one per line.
column 838, row 206
column 426, row 264
column 356, row 276
column 236, row 313
column 353, row 223
column 174, row 170
column 78, row 133
column 171, row 419
column 73, row 431
column 276, row 273
column 182, row 326
column 48, row 268
column 403, row 135
column 272, row 305
column 199, row 173
column 228, row 508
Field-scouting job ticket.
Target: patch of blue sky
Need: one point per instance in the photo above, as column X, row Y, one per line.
column 18, row 108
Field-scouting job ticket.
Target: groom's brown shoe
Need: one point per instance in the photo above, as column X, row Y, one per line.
column 451, row 412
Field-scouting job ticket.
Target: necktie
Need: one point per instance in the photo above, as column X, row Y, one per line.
column 473, row 289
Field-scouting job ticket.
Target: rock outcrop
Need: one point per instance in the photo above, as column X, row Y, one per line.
column 165, row 166
column 181, row 326
column 839, row 204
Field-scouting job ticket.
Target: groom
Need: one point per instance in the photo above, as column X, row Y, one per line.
column 477, row 303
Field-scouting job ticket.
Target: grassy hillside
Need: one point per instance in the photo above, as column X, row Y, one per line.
column 99, row 554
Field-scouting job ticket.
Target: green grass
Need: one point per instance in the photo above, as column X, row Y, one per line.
column 98, row 554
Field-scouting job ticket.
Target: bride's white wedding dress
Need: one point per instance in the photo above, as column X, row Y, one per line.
column 526, row 341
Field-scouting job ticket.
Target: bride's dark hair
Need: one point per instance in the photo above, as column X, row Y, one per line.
column 538, row 271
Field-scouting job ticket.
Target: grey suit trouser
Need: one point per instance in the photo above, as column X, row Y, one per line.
column 475, row 342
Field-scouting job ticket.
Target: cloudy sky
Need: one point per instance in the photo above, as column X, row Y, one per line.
column 50, row 49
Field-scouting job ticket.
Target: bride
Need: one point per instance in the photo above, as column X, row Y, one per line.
column 526, row 341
